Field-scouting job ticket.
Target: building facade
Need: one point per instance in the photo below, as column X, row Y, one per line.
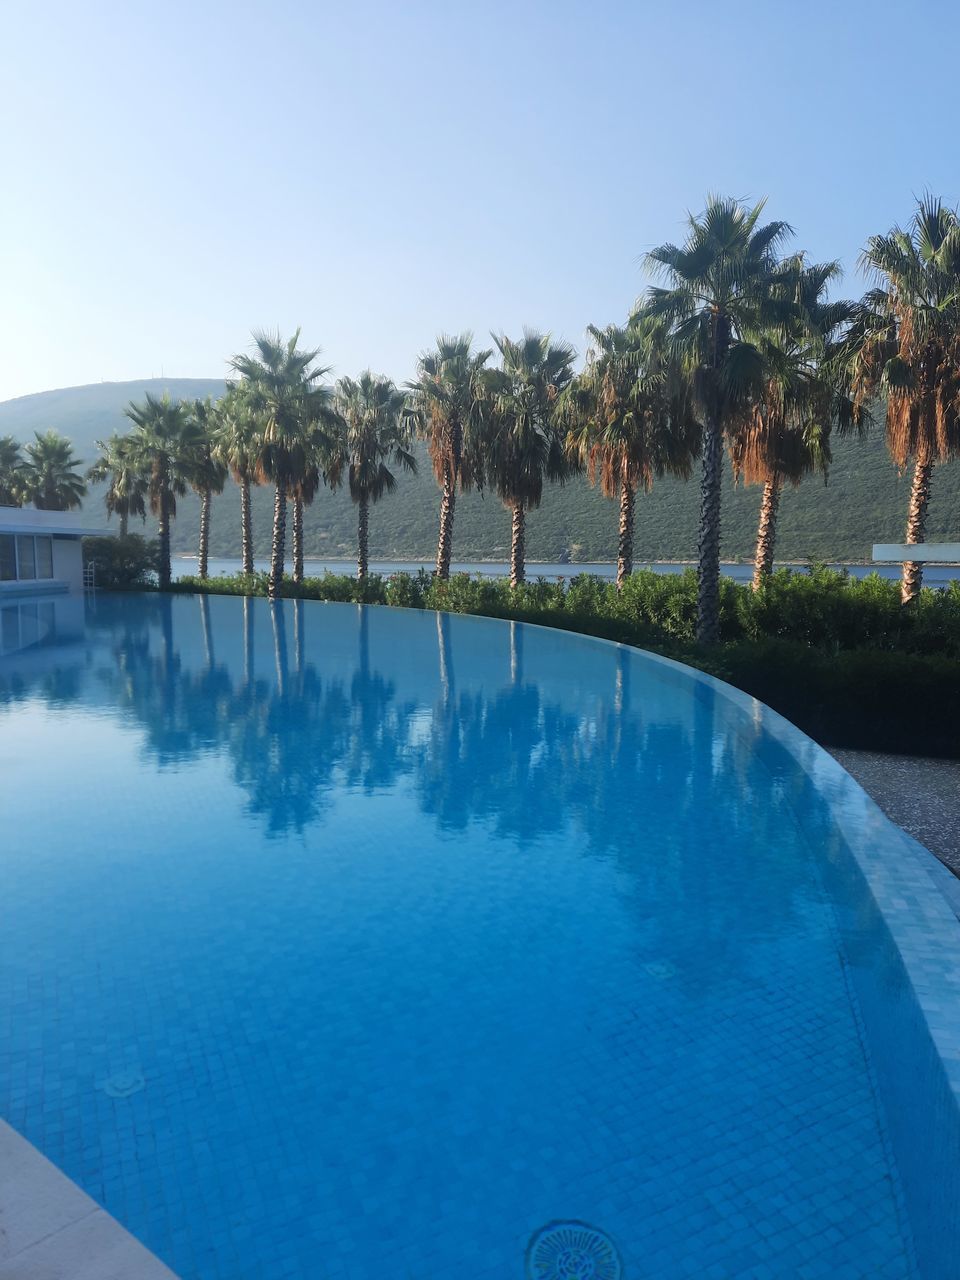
column 41, row 576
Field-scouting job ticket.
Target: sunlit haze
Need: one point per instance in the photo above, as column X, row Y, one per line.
column 178, row 174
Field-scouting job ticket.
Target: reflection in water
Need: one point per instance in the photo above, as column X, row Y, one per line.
column 527, row 760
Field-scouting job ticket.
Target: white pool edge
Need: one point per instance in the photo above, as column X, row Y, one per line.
column 50, row 1229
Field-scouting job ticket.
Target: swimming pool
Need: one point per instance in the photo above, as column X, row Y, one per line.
column 354, row 943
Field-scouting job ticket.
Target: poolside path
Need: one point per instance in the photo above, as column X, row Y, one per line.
column 920, row 795
column 51, row 1230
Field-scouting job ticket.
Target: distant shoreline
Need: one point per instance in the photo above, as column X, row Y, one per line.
column 572, row 564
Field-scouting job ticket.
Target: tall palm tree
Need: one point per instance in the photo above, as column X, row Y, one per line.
column 376, row 433
column 630, row 419
column 907, row 345
column 525, row 446
column 715, row 307
column 302, row 492
column 208, row 474
column 784, row 433
column 285, row 391
column 237, row 444
column 165, row 442
column 50, row 476
column 126, row 493
column 447, row 401
column 11, row 472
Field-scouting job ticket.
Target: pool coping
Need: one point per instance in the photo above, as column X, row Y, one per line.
column 911, row 897
column 921, row 911
column 918, row 906
column 50, row 1229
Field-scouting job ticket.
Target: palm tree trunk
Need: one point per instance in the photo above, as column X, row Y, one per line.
column 124, row 523
column 298, row 540
column 518, row 547
column 625, row 543
column 164, row 533
column 204, row 550
column 912, row 579
column 708, row 542
column 279, row 540
column 363, row 516
column 447, row 506
column 767, row 529
column 246, row 527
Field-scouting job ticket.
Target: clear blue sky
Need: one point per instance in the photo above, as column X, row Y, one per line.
column 175, row 174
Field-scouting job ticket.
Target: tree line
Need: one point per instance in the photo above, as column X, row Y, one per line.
column 736, row 345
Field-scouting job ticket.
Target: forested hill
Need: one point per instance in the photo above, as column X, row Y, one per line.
column 864, row 502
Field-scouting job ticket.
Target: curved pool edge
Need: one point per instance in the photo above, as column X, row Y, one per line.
column 914, row 1042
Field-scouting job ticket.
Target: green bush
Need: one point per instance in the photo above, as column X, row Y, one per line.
column 123, row 564
column 868, row 699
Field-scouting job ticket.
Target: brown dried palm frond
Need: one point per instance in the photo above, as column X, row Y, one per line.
column 908, row 340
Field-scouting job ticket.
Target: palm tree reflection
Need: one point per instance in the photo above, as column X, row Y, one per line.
column 672, row 794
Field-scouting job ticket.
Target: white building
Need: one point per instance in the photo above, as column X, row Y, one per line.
column 40, row 551
column 41, row 576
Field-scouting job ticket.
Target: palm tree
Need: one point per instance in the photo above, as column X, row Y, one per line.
column 524, row 442
column 784, row 434
column 208, row 475
column 447, row 402
column 50, row 476
column 714, row 307
column 283, row 386
column 237, row 444
column 165, row 442
column 127, row 484
column 11, row 472
column 302, row 492
column 630, row 420
column 376, row 432
column 906, row 344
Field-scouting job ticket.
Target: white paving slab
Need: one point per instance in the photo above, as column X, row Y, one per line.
column 51, row 1230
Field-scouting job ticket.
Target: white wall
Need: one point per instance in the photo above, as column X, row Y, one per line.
column 68, row 562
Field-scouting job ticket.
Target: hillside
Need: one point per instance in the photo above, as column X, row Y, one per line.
column 864, row 502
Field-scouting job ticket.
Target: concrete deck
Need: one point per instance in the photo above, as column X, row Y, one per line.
column 920, row 795
column 51, row 1230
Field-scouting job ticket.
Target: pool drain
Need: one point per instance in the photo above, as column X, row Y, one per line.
column 572, row 1251
column 123, row 1084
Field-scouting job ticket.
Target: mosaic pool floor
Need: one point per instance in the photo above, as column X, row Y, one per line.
column 340, row 944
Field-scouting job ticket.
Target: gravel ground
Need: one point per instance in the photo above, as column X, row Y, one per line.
column 920, row 795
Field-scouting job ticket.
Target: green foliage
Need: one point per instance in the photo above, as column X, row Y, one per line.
column 50, row 476
column 123, row 564
column 868, row 699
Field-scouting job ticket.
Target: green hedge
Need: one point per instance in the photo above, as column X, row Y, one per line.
column 840, row 657
column 123, row 564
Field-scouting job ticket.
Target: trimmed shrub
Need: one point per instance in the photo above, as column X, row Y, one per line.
column 123, row 564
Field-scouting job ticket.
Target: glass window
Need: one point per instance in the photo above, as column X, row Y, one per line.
column 44, row 557
column 26, row 560
column 8, row 558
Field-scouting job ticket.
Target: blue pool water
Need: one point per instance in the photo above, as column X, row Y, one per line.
column 352, row 943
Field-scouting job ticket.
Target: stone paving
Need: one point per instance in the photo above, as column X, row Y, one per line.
column 921, row 795
column 51, row 1230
